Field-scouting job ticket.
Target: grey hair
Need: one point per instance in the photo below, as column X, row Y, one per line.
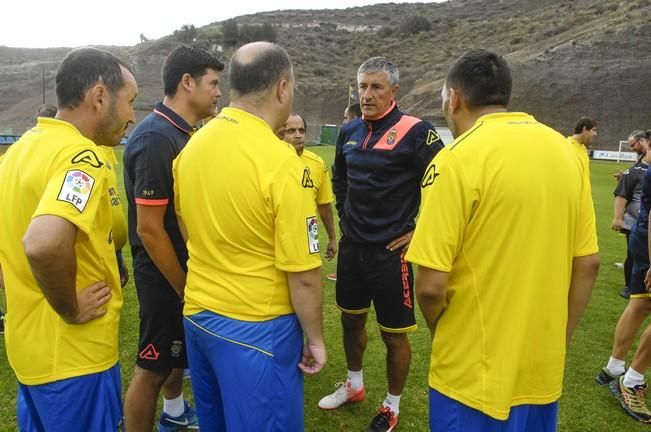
column 377, row 64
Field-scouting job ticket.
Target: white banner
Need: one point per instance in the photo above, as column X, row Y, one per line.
column 614, row 155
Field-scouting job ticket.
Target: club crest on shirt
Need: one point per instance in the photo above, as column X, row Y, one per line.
column 312, row 234
column 76, row 189
column 391, row 138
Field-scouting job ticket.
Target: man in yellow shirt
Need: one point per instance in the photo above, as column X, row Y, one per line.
column 507, row 256
column 585, row 132
column 253, row 287
column 57, row 255
column 295, row 132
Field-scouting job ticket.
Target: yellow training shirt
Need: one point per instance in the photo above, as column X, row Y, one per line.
column 54, row 170
column 247, row 203
column 320, row 176
column 504, row 210
column 117, row 210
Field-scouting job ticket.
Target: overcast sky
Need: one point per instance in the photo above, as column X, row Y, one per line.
column 72, row 23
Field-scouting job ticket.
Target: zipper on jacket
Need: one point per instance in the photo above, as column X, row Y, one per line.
column 368, row 137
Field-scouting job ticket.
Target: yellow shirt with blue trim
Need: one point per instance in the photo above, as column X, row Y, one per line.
column 117, row 209
column 247, row 204
column 320, row 176
column 54, row 170
column 506, row 231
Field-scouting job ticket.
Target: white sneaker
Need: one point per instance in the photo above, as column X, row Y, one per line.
column 344, row 394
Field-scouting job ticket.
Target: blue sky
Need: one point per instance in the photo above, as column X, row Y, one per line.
column 72, row 23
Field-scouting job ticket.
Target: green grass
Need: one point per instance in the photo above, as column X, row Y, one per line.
column 584, row 405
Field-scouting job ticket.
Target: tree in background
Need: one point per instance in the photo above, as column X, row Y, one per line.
column 186, row 34
column 230, row 33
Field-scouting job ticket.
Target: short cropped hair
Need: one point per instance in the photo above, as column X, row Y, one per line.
column 355, row 109
column 81, row 69
column 260, row 74
column 380, row 64
column 482, row 77
column 184, row 59
column 584, row 123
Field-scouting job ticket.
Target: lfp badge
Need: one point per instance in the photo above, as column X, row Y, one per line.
column 76, row 189
column 312, row 234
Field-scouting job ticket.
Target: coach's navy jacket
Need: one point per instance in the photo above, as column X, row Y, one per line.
column 377, row 172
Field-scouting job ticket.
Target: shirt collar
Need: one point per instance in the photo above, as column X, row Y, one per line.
column 176, row 120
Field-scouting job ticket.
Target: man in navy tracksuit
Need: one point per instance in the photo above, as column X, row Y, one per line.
column 379, row 163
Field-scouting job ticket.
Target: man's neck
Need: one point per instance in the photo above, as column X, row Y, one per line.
column 183, row 109
column 579, row 139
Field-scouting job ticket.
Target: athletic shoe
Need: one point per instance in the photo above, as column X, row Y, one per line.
column 2, row 323
column 625, row 292
column 187, row 420
column 186, row 374
column 344, row 394
column 633, row 400
column 385, row 421
column 331, row 276
column 619, row 265
column 605, row 377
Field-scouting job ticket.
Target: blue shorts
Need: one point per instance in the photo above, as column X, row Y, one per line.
column 245, row 375
column 448, row 415
column 86, row 403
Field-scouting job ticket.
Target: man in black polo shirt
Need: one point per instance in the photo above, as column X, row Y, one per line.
column 190, row 80
column 379, row 163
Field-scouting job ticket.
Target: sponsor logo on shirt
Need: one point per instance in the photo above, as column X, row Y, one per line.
column 312, row 234
column 307, row 182
column 428, row 178
column 89, row 157
column 76, row 189
column 432, row 137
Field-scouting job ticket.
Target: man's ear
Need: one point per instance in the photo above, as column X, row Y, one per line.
column 187, row 82
column 455, row 100
column 282, row 91
column 97, row 96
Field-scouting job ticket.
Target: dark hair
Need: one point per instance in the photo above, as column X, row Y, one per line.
column 637, row 134
column 584, row 123
column 482, row 77
column 301, row 117
column 184, row 59
column 46, row 110
column 355, row 109
column 260, row 72
column 81, row 69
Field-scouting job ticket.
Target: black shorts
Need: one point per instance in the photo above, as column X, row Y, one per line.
column 638, row 251
column 162, row 339
column 372, row 273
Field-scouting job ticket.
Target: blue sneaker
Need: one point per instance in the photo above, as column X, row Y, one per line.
column 187, row 420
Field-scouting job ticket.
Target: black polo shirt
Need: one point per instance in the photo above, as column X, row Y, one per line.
column 148, row 156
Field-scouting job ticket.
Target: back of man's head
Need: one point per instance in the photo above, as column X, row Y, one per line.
column 482, row 77
column 586, row 123
column 46, row 110
column 354, row 110
column 184, row 59
column 81, row 69
column 256, row 67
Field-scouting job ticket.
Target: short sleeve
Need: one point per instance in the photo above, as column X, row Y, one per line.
column 427, row 143
column 151, row 166
column 296, row 241
column 447, row 201
column 585, row 240
column 77, row 189
column 324, row 195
